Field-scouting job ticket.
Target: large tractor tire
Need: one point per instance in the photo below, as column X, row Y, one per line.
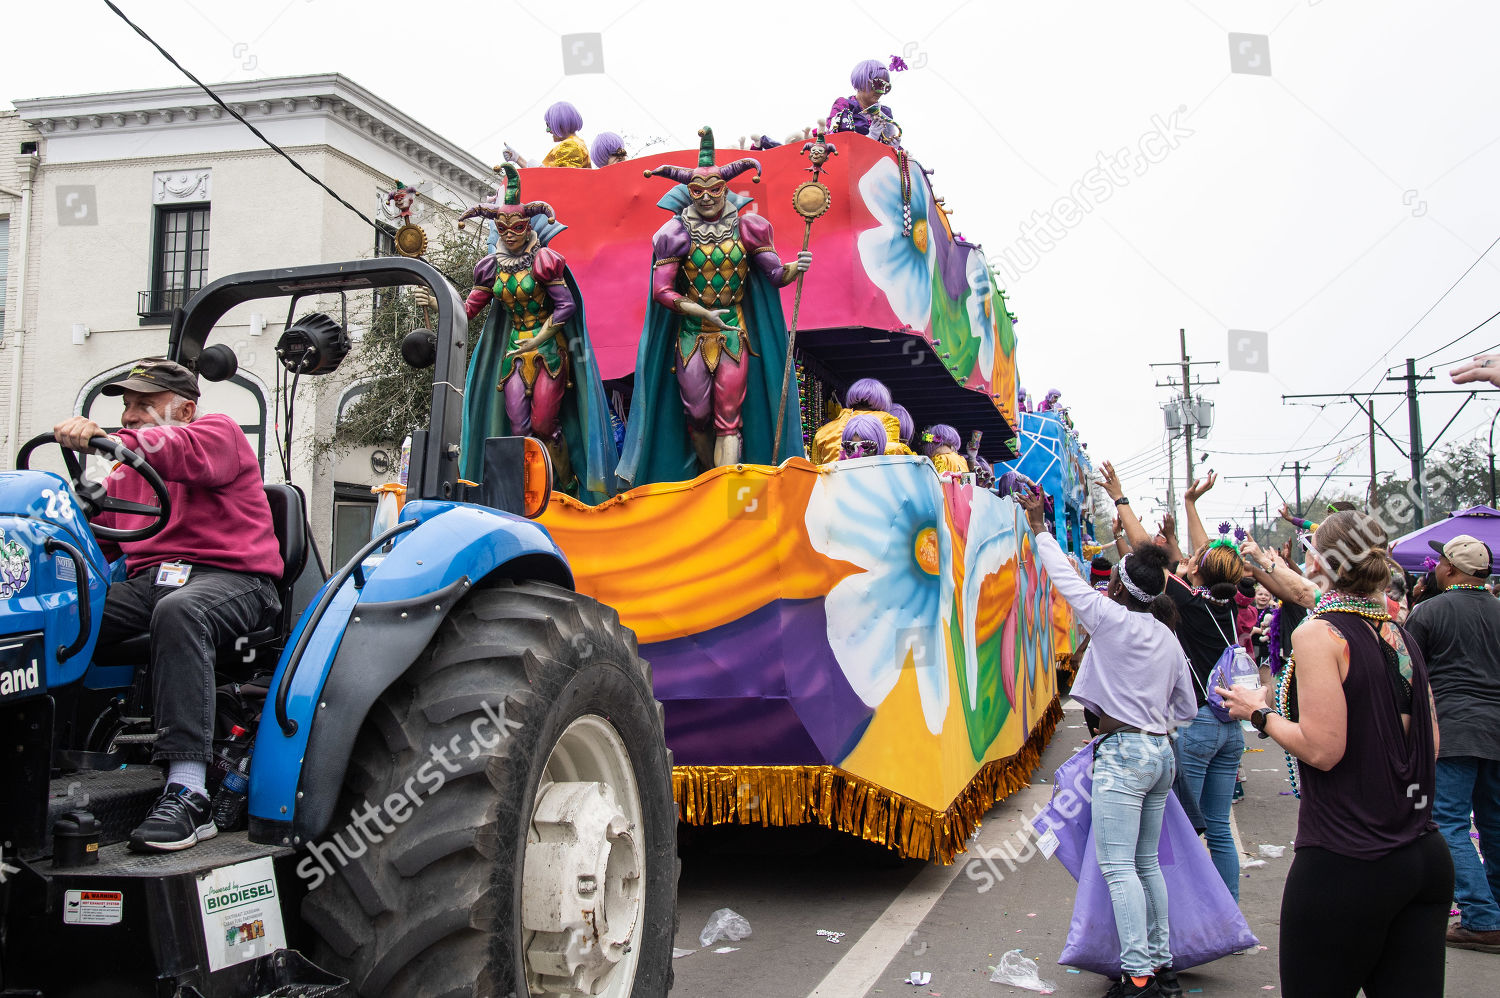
column 545, row 861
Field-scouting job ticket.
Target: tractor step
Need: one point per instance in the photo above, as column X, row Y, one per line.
column 224, row 849
column 149, row 738
column 119, row 798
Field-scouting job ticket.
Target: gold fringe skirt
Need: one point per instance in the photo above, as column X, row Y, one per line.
column 826, row 795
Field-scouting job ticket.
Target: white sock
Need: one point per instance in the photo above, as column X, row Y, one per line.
column 193, row 775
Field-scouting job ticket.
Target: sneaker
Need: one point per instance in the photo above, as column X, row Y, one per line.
column 1166, row 982
column 1462, row 938
column 180, row 819
column 1125, row 988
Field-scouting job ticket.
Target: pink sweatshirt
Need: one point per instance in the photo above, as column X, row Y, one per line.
column 220, row 516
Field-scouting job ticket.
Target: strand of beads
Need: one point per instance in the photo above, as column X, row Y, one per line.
column 902, row 162
column 1283, row 701
column 1336, row 602
column 1465, row 585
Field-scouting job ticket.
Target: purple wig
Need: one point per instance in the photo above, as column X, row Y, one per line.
column 606, row 144
column 867, row 393
column 864, row 436
column 908, row 427
column 866, row 73
column 562, row 119
column 939, row 435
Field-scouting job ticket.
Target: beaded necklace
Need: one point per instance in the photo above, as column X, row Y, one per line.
column 1203, row 591
column 1336, row 602
column 901, row 161
column 1283, row 707
column 1465, row 585
column 1329, row 602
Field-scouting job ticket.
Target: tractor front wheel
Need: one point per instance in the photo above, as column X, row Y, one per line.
column 537, row 855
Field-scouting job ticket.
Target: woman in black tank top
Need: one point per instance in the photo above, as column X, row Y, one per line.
column 1366, row 899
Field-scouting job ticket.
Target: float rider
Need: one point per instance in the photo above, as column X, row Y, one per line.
column 206, row 579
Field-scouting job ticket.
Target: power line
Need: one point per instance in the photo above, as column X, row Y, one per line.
column 1465, row 356
column 239, row 117
column 1457, row 339
column 1424, row 315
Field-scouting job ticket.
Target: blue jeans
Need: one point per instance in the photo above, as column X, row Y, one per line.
column 1466, row 783
column 1208, row 757
column 1132, row 774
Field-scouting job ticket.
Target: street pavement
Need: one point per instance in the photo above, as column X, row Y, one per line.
column 902, row 916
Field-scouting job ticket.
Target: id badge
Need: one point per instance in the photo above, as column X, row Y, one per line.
column 173, row 574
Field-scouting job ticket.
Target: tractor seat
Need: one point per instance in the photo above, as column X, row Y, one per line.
column 289, row 520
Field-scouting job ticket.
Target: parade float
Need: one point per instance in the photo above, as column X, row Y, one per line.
column 1053, row 457
column 865, row 645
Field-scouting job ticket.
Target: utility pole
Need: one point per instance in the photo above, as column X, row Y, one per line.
column 1417, row 451
column 1297, row 468
column 1371, row 409
column 1418, row 455
column 1171, row 475
column 1184, row 402
column 1187, row 424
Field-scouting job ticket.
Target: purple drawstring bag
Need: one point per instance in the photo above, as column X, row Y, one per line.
column 1204, row 921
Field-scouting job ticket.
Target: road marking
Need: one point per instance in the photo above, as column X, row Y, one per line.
column 862, row 967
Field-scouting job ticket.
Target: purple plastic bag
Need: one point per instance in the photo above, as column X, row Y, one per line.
column 1206, row 924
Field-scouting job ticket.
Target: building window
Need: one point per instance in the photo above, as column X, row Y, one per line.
column 385, row 240
column 385, row 245
column 353, row 519
column 180, row 263
column 4, row 268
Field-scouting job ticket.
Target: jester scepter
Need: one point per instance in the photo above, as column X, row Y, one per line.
column 532, row 371
column 715, row 322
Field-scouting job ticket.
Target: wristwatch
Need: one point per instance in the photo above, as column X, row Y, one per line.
column 1259, row 717
column 1122, row 501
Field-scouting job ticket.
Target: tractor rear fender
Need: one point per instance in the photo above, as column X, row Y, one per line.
column 364, row 640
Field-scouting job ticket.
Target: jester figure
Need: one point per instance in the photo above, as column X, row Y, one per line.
column 715, row 323
column 532, row 372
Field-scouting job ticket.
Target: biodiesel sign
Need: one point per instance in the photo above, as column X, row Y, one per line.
column 241, row 913
column 234, row 896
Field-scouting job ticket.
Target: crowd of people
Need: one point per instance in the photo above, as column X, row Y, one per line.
column 1382, row 689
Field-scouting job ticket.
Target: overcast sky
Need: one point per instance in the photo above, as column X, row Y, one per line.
column 1328, row 193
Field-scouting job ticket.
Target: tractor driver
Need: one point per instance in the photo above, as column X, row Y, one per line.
column 204, row 580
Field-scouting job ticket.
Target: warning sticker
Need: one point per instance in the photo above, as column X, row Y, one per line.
column 93, row 907
column 241, row 913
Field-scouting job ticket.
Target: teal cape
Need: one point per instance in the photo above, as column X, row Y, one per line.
column 585, row 412
column 657, row 447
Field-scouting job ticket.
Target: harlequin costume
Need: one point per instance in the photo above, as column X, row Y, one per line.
column 829, row 438
column 552, row 391
column 728, row 381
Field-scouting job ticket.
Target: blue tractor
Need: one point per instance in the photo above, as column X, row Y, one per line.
column 459, row 783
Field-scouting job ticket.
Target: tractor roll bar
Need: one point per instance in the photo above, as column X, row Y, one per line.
column 434, row 466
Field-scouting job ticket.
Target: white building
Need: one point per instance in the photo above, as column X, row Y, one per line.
column 115, row 207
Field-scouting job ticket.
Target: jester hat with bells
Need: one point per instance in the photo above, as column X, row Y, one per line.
column 511, row 203
column 706, row 167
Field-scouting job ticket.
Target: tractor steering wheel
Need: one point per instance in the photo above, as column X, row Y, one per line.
column 94, row 496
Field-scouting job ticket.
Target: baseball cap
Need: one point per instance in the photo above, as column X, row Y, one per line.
column 155, row 374
column 1469, row 555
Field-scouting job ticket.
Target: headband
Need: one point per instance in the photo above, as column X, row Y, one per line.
column 1135, row 591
